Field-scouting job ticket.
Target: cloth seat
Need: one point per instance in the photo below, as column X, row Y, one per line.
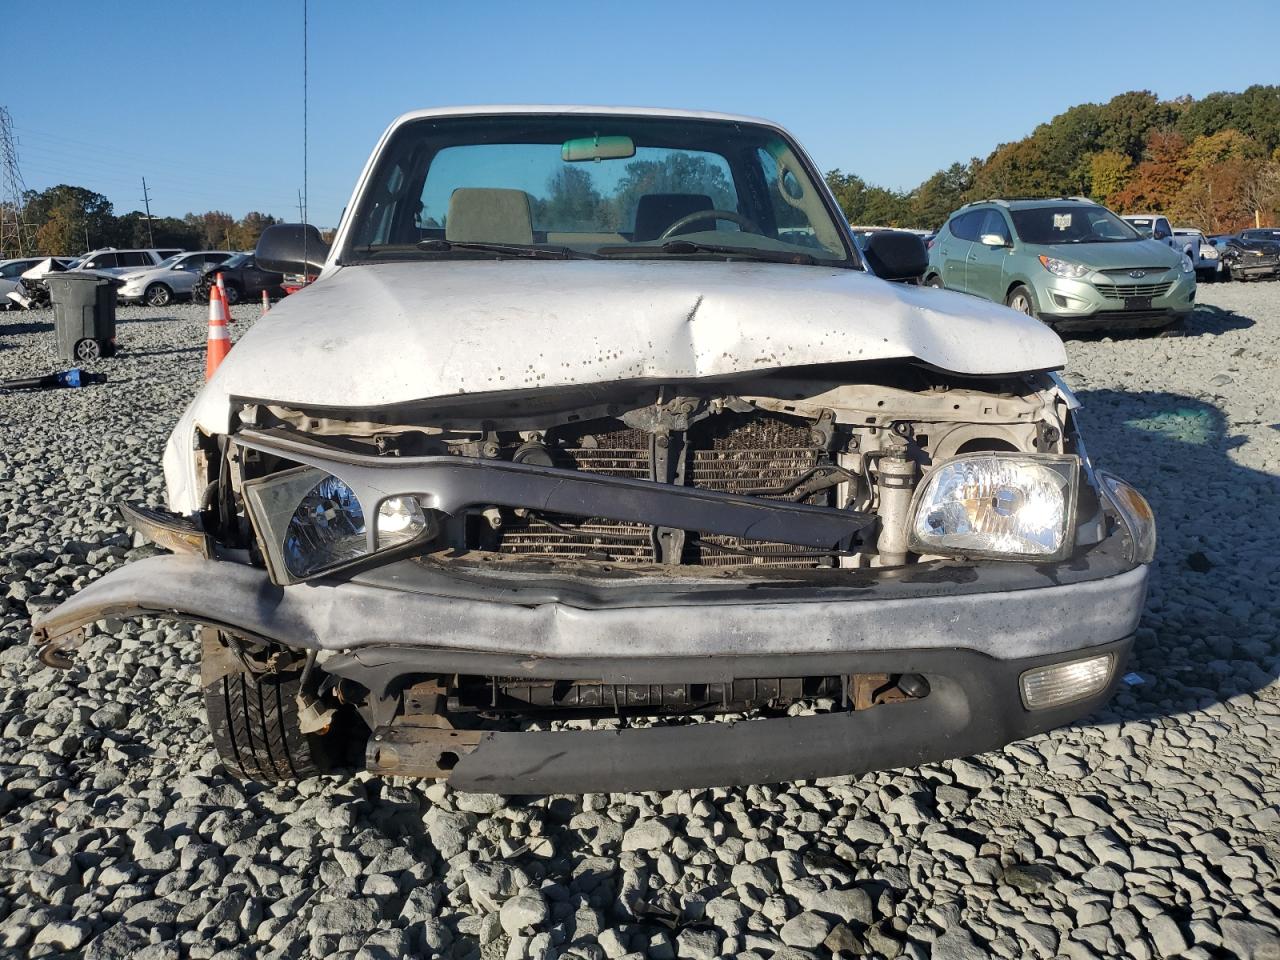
column 489, row 214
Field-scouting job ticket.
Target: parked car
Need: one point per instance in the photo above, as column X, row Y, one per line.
column 242, row 277
column 1070, row 262
column 1249, row 259
column 169, row 280
column 1202, row 252
column 10, row 272
column 115, row 262
column 642, row 459
column 20, row 281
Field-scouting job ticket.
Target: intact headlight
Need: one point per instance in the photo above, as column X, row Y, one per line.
column 1003, row 506
column 1187, row 265
column 310, row 522
column 1065, row 268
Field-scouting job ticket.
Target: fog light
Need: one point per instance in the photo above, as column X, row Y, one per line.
column 1060, row 683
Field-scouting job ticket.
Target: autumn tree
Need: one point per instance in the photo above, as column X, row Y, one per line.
column 1158, row 178
column 1109, row 173
column 69, row 219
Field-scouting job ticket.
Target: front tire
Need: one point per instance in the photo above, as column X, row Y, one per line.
column 158, row 295
column 233, row 294
column 253, row 717
column 1021, row 299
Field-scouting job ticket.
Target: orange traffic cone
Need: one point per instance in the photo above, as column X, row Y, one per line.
column 219, row 343
column 226, row 304
column 266, row 303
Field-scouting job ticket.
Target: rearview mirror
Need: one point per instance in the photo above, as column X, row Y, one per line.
column 291, row 248
column 896, row 255
column 993, row 240
column 597, row 148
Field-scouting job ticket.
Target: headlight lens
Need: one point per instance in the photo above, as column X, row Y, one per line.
column 1006, row 506
column 1187, row 265
column 310, row 522
column 1136, row 515
column 326, row 530
column 1065, row 268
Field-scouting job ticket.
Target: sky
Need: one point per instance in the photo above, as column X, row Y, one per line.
column 206, row 101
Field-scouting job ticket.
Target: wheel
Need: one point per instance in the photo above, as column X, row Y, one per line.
column 158, row 295
column 88, row 350
column 1020, row 299
column 934, row 281
column 253, row 717
column 233, row 294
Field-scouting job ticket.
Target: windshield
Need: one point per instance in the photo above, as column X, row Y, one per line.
column 1071, row 224
column 592, row 186
column 168, row 261
column 233, row 261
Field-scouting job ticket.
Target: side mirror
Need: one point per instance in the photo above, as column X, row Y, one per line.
column 291, row 248
column 994, row 240
column 896, row 255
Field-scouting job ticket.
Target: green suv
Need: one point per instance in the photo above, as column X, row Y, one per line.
column 1070, row 262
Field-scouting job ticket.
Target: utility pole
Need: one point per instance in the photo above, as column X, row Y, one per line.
column 302, row 215
column 146, row 201
column 15, row 238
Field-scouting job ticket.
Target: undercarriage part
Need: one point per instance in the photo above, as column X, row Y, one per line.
column 405, row 749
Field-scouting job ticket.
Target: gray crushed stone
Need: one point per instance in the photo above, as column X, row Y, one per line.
column 1150, row 830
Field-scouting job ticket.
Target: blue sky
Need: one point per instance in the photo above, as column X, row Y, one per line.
column 206, row 100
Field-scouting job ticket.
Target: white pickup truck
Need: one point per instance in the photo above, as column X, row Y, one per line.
column 1203, row 253
column 1157, row 227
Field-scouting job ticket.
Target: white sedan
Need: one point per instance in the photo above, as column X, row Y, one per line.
column 169, row 279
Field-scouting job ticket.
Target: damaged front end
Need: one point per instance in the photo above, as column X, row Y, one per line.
column 841, row 541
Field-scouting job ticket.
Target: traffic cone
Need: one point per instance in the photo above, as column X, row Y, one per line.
column 266, row 303
column 219, row 343
column 226, row 304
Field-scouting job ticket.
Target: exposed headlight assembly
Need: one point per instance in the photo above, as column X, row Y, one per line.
column 310, row 522
column 1003, row 506
column 1187, row 265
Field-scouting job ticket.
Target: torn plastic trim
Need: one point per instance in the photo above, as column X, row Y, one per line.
column 452, row 485
column 166, row 529
column 337, row 615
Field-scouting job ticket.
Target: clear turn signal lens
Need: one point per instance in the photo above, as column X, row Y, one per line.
column 1061, row 683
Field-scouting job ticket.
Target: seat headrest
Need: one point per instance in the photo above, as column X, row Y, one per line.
column 657, row 211
column 489, row 214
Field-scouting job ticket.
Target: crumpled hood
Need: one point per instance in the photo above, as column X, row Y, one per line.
column 389, row 333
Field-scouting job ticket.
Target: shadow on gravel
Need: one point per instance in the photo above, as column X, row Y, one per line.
column 160, row 353
column 1205, row 319
column 11, row 329
column 1209, row 629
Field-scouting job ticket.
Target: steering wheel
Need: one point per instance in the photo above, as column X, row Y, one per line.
column 746, row 223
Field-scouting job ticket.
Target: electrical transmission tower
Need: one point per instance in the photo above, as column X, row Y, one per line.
column 15, row 240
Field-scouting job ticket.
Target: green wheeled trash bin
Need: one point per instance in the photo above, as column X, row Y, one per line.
column 84, row 314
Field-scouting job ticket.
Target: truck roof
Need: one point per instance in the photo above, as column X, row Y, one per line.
column 560, row 108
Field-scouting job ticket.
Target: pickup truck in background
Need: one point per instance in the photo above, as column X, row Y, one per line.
column 1202, row 252
column 1157, row 227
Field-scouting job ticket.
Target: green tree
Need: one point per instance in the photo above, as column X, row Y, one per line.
column 245, row 234
column 1126, row 121
column 935, row 199
column 572, row 202
column 850, row 192
column 1109, row 173
column 677, row 172
column 69, row 219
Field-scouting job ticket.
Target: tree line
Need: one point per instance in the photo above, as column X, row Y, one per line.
column 1212, row 163
column 66, row 220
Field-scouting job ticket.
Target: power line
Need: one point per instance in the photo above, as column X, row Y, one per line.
column 14, row 233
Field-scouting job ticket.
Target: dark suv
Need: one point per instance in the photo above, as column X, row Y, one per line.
column 241, row 277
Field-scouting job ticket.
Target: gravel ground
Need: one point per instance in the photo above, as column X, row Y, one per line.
column 1152, row 830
